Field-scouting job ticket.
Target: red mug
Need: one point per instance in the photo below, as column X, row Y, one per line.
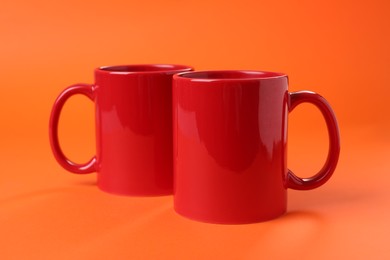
column 230, row 145
column 133, row 105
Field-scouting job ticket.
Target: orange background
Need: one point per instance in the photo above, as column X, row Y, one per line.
column 339, row 49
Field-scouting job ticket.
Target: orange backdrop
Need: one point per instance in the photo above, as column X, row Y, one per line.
column 339, row 49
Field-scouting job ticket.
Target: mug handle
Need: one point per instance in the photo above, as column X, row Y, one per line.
column 293, row 181
column 83, row 89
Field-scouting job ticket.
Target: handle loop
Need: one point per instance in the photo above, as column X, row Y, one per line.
column 83, row 89
column 293, row 181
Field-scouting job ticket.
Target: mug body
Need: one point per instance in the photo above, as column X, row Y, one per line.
column 134, row 128
column 230, row 136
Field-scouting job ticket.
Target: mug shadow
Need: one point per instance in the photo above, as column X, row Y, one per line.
column 93, row 183
column 302, row 214
column 33, row 195
column 300, row 200
column 85, row 183
column 295, row 230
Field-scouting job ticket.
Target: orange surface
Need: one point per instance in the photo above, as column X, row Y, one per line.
column 337, row 48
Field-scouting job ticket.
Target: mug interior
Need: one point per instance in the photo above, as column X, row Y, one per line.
column 231, row 74
column 145, row 68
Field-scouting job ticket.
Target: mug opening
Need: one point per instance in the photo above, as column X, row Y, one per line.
column 231, row 74
column 146, row 68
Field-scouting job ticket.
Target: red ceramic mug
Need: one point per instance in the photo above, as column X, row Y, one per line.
column 230, row 145
column 133, row 128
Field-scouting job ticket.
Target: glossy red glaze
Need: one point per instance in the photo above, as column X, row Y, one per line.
column 230, row 145
column 133, row 128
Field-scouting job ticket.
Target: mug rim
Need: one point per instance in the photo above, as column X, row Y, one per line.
column 150, row 68
column 235, row 75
